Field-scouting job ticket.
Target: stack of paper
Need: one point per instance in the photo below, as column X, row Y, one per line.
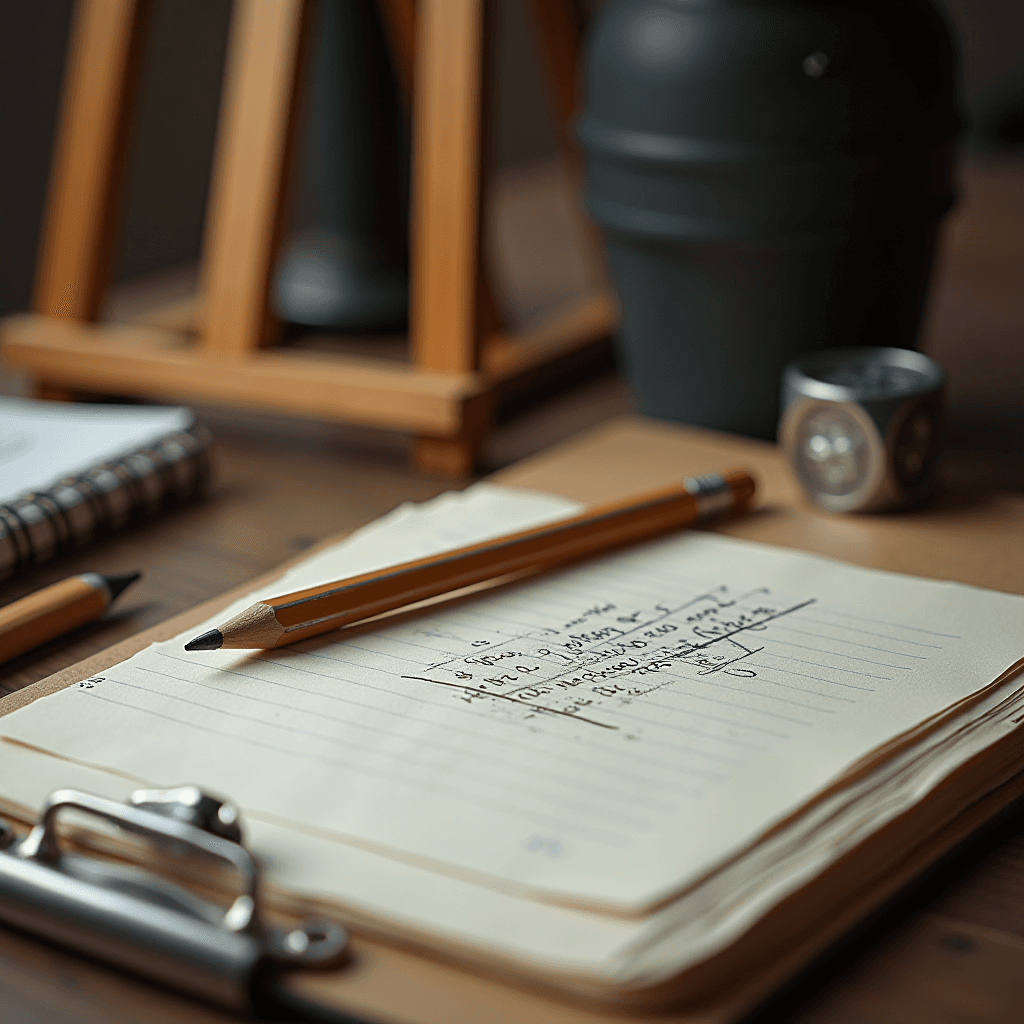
column 645, row 772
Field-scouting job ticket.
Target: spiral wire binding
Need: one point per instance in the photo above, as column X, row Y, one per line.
column 78, row 510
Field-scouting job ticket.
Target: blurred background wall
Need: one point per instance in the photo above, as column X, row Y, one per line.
column 176, row 119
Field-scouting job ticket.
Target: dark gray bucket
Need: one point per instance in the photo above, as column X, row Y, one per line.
column 770, row 177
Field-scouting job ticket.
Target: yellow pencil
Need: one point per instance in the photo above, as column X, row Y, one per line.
column 283, row 620
column 47, row 613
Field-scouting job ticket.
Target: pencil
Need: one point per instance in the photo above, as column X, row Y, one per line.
column 283, row 620
column 56, row 609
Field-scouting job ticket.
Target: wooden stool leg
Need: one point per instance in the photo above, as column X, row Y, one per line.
column 53, row 392
column 80, row 227
column 457, row 456
column 257, row 126
column 445, row 216
column 445, row 251
column 400, row 25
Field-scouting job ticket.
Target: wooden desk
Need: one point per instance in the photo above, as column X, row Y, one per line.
column 955, row 953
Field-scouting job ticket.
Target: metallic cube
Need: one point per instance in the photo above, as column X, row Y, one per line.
column 861, row 426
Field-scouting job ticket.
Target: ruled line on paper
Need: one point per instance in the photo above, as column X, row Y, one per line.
column 853, row 643
column 836, row 607
column 631, row 755
column 835, row 668
column 884, row 622
column 617, row 771
column 845, row 656
column 597, row 836
column 593, row 655
column 870, row 632
column 362, row 768
column 613, row 706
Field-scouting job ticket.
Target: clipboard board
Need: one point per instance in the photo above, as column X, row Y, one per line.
column 384, row 982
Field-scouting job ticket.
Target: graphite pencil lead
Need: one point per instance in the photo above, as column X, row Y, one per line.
column 211, row 641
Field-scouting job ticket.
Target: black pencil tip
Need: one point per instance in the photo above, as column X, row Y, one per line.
column 211, row 641
column 119, row 583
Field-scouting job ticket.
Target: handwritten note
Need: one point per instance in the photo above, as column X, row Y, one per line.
column 607, row 734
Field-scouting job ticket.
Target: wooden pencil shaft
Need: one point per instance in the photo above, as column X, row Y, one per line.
column 379, row 596
column 48, row 613
column 290, row 617
column 372, row 603
column 414, row 581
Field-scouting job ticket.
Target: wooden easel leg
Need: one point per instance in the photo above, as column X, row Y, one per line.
column 81, row 222
column 400, row 24
column 446, row 185
column 444, row 326
column 451, row 457
column 456, row 456
column 257, row 126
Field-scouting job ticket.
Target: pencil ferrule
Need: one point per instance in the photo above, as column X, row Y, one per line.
column 712, row 492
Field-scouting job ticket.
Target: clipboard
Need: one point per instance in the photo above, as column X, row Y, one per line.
column 384, row 982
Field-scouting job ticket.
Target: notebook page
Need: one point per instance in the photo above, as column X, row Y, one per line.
column 476, row 921
column 603, row 734
column 43, row 442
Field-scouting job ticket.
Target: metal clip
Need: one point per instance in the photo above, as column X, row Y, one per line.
column 147, row 924
column 712, row 492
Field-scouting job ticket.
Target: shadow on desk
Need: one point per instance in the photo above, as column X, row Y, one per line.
column 952, row 923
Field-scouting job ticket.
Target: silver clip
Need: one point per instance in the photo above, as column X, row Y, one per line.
column 143, row 922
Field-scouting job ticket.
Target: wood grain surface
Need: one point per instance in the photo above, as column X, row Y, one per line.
column 958, row 950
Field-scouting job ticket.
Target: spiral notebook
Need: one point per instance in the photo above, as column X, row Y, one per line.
column 69, row 474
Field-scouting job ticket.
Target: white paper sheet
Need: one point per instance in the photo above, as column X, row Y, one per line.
column 607, row 734
column 43, row 442
column 480, row 923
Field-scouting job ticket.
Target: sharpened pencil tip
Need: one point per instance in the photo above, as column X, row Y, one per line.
column 211, row 641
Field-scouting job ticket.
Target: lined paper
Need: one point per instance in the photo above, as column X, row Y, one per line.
column 478, row 922
column 606, row 734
